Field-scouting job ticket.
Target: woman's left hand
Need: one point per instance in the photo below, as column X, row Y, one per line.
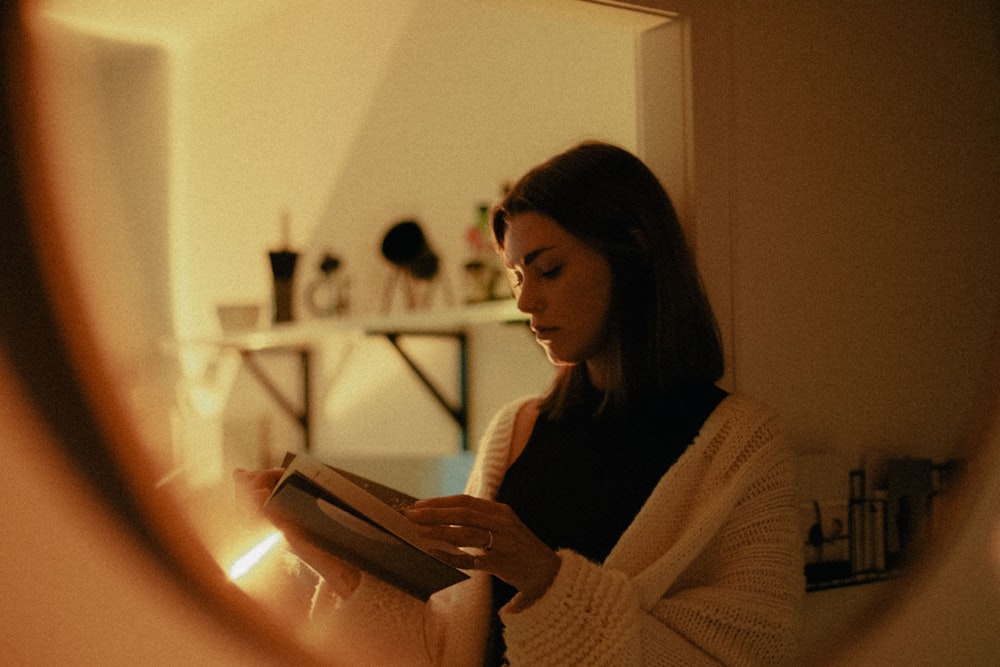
column 509, row 550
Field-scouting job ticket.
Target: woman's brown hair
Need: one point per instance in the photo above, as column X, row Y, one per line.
column 661, row 321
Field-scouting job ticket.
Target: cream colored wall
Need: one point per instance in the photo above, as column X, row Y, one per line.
column 866, row 241
column 268, row 109
column 846, row 210
column 457, row 98
column 349, row 117
column 352, row 116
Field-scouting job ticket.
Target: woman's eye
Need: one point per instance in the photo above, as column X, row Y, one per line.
column 553, row 272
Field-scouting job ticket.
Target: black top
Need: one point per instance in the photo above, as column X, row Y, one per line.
column 581, row 480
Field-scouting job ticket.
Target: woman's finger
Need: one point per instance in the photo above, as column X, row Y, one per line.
column 252, row 488
column 461, row 536
column 470, row 502
column 452, row 516
column 254, row 479
column 463, row 511
column 462, row 562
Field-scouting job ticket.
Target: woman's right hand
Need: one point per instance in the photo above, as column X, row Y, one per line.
column 253, row 487
column 340, row 576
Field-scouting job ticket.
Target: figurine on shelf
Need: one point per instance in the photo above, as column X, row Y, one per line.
column 327, row 295
column 416, row 264
column 483, row 272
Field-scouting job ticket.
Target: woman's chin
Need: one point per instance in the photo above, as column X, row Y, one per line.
column 557, row 360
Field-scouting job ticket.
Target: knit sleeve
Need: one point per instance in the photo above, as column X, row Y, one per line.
column 379, row 625
column 710, row 573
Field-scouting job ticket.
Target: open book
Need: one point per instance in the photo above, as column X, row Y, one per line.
column 360, row 521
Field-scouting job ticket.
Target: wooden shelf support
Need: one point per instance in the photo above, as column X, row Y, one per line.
column 302, row 416
column 459, row 413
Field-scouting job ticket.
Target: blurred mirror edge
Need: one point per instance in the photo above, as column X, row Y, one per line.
column 100, row 566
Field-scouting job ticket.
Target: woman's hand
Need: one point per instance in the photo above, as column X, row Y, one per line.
column 252, row 489
column 509, row 550
column 341, row 577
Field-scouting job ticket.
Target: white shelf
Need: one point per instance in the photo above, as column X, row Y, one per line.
column 307, row 333
column 300, row 338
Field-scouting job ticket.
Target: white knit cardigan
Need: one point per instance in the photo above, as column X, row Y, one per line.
column 710, row 571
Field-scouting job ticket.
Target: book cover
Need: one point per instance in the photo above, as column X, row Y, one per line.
column 360, row 521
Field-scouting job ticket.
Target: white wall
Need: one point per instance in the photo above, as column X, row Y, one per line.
column 105, row 130
column 349, row 117
column 352, row 116
column 454, row 99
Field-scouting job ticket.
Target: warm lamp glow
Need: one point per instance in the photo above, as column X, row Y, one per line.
column 245, row 562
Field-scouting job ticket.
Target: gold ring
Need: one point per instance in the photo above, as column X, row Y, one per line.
column 489, row 545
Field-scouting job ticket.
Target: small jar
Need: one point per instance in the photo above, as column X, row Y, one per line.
column 327, row 295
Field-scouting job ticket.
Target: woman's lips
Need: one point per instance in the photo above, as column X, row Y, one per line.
column 543, row 333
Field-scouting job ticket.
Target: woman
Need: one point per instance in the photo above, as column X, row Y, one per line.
column 635, row 514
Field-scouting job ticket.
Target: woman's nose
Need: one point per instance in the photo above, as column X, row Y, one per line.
column 527, row 300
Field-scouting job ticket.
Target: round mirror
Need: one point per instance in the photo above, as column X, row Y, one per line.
column 844, row 218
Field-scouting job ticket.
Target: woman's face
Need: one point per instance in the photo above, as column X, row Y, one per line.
column 564, row 285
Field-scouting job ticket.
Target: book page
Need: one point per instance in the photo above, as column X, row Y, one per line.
column 345, row 491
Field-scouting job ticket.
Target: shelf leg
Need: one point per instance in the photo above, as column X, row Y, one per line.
column 301, row 417
column 460, row 412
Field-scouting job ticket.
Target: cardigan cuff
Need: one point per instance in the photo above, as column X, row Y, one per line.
column 586, row 611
